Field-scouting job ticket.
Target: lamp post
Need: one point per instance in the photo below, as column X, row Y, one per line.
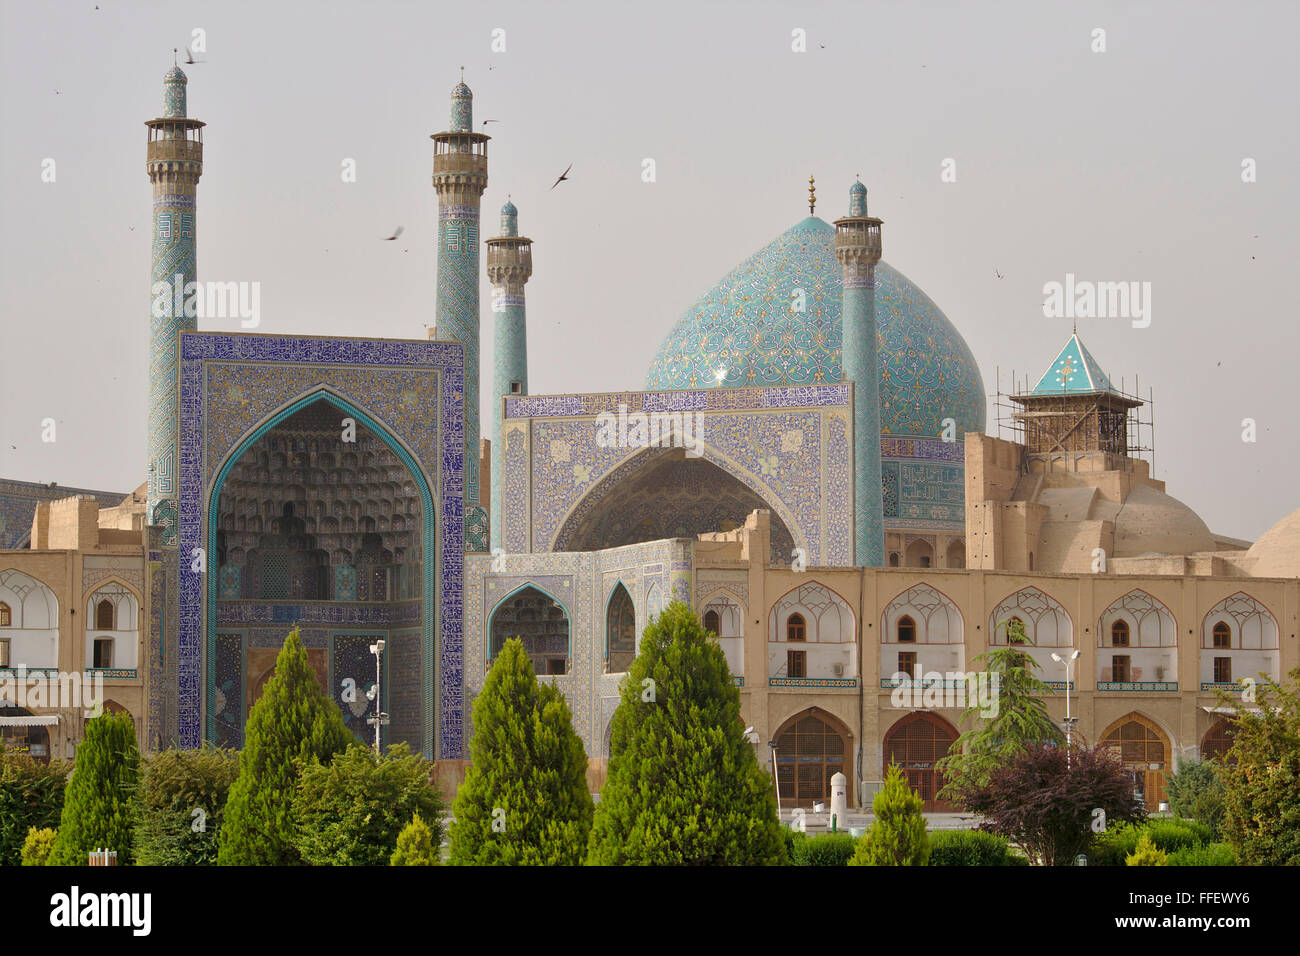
column 380, row 717
column 776, row 775
column 1069, row 721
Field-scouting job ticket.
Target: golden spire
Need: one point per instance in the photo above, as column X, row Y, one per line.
column 812, row 195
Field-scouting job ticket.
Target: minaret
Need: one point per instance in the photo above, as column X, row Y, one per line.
column 175, row 163
column 509, row 264
column 460, row 176
column 857, row 247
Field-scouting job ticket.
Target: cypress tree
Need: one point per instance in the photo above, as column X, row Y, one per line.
column 99, row 810
column 524, row 800
column 684, row 786
column 415, row 845
column 897, row 836
column 293, row 721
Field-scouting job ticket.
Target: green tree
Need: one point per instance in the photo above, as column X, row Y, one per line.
column 182, row 803
column 37, row 846
column 415, row 846
column 684, row 786
column 31, row 795
column 350, row 812
column 1261, row 777
column 524, row 800
column 1196, row 793
column 1021, row 720
column 897, row 835
column 99, row 808
column 1044, row 799
column 1146, row 854
column 293, row 721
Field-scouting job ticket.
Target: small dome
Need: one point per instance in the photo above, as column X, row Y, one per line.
column 460, row 89
column 1152, row 522
column 509, row 209
column 176, row 73
column 1277, row 553
column 747, row 324
column 857, row 189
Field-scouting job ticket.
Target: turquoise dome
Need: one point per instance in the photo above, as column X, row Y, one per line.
column 747, row 325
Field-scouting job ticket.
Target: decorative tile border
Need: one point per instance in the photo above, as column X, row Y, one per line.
column 1139, row 687
column 823, row 682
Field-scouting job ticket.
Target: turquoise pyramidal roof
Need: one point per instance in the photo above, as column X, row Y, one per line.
column 1075, row 372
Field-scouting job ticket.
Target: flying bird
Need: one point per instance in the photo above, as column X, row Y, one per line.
column 485, row 122
column 563, row 176
column 996, row 273
column 189, row 57
column 397, row 232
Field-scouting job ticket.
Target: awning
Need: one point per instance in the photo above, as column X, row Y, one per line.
column 29, row 720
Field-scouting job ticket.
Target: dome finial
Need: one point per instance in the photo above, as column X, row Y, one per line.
column 812, row 195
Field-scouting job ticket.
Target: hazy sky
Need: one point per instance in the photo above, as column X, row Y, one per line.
column 1122, row 165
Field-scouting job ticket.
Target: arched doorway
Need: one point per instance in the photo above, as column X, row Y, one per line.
column 663, row 493
column 1218, row 741
column 305, row 513
column 916, row 743
column 1144, row 751
column 620, row 631
column 810, row 749
column 538, row 620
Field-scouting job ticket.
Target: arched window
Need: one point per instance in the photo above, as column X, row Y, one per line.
column 104, row 615
column 1222, row 635
column 893, row 559
column 916, row 743
column 1119, row 634
column 6, row 616
column 795, row 628
column 906, row 630
column 809, row 751
column 1217, row 742
column 620, row 631
column 712, row 622
column 1142, row 748
column 540, row 622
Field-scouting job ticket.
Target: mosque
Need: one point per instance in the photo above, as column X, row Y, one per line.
column 806, row 466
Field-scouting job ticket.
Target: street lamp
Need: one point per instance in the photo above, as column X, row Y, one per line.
column 380, row 718
column 776, row 775
column 1069, row 721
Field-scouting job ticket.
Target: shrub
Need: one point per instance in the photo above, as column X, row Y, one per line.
column 99, row 805
column 175, row 784
column 351, row 811
column 524, row 801
column 291, row 724
column 968, row 848
column 897, row 836
column 1043, row 799
column 31, row 795
column 828, row 849
column 1196, row 793
column 684, row 785
column 1212, row 854
column 1121, row 840
column 415, row 846
column 37, row 846
column 1146, row 854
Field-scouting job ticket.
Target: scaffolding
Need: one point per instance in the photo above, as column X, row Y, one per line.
column 1116, row 422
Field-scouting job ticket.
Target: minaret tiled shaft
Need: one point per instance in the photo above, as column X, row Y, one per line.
column 459, row 177
column 509, row 264
column 175, row 163
column 857, row 247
